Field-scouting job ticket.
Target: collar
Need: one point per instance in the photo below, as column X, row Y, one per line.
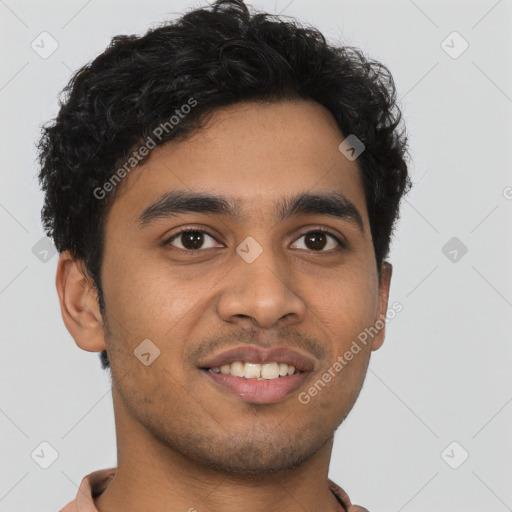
column 95, row 483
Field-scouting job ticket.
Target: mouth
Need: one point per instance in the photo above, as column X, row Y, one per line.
column 258, row 375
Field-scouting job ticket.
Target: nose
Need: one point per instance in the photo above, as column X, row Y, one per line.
column 262, row 292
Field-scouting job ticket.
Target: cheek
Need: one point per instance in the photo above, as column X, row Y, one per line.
column 345, row 305
column 145, row 298
column 351, row 310
column 157, row 303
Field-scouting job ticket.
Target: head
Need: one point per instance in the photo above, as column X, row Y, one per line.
column 250, row 109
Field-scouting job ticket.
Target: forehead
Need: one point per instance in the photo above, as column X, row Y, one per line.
column 256, row 155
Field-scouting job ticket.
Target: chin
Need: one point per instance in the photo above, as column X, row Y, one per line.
column 256, row 453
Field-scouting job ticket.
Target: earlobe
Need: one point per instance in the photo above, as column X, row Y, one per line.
column 79, row 304
column 384, row 286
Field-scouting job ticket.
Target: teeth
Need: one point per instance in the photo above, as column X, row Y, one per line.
column 270, row 371
column 252, row 371
column 237, row 369
column 265, row 371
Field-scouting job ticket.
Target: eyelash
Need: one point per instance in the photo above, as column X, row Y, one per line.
column 191, row 230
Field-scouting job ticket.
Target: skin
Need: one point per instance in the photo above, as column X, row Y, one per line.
column 182, row 441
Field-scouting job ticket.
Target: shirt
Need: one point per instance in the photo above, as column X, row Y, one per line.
column 95, row 483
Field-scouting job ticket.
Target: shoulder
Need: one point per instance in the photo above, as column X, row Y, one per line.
column 344, row 498
column 91, row 486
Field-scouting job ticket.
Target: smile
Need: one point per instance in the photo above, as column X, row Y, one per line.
column 259, row 390
column 265, row 371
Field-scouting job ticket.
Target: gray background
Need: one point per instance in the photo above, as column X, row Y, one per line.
column 443, row 374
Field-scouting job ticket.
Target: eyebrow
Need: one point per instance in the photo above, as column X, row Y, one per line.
column 176, row 202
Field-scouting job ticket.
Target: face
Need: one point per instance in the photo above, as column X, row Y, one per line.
column 253, row 279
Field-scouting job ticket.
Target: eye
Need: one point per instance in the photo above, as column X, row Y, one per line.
column 191, row 239
column 316, row 239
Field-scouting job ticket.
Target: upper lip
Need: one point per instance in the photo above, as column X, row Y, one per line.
column 255, row 354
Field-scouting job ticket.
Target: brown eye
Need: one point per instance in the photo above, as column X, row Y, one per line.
column 191, row 239
column 318, row 239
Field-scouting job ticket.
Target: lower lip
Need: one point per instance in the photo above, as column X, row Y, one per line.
column 258, row 391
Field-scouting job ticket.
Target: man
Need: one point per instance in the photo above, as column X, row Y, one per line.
column 222, row 192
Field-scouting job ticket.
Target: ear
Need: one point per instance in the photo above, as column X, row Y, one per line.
column 79, row 303
column 384, row 285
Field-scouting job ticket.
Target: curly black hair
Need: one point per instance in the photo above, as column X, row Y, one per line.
column 218, row 55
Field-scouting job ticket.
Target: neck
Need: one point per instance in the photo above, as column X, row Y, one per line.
column 151, row 476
